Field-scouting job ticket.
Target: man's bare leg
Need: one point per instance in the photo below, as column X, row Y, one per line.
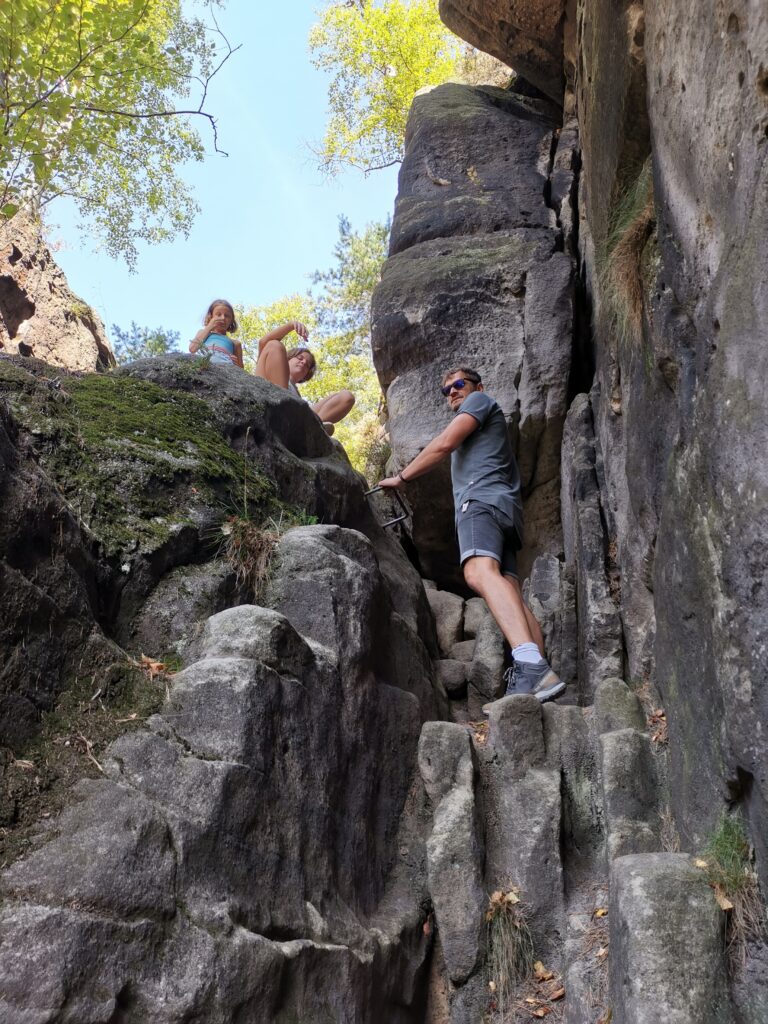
column 504, row 598
column 530, row 618
column 505, row 602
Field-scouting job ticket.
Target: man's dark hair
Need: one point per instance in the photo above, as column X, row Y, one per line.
column 466, row 372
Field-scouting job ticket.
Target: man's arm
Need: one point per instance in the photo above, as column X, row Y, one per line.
column 439, row 448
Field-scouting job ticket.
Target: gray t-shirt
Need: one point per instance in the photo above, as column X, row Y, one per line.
column 484, row 468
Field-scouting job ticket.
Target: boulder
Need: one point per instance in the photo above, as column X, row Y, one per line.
column 475, row 611
column 617, row 707
column 453, row 675
column 660, row 903
column 448, row 610
column 486, row 675
column 630, row 788
column 115, row 488
column 463, row 650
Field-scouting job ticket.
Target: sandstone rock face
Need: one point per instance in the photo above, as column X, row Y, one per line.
column 526, row 34
column 713, row 221
column 677, row 417
column 476, row 277
column 39, row 310
column 600, row 639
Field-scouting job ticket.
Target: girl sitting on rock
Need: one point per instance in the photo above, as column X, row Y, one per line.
column 218, row 322
column 297, row 365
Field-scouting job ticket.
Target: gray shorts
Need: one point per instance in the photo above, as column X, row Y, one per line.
column 485, row 530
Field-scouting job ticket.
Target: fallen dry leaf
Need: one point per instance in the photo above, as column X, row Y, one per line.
column 700, row 863
column 601, row 953
column 557, row 995
column 601, row 912
column 657, row 723
column 27, row 766
column 151, row 667
column 722, row 900
column 541, row 973
column 541, row 1011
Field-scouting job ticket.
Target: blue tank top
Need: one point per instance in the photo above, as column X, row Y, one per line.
column 221, row 347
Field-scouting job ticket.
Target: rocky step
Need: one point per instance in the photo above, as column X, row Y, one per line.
column 560, row 806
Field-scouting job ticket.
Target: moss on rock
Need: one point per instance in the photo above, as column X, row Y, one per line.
column 136, row 461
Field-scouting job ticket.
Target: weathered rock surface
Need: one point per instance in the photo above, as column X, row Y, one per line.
column 448, row 610
column 454, row 853
column 453, row 675
column 247, row 834
column 549, row 593
column 660, row 902
column 600, row 639
column 522, row 802
column 39, row 310
column 526, row 34
column 268, row 837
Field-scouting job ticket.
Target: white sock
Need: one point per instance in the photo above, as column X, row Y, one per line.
column 528, row 652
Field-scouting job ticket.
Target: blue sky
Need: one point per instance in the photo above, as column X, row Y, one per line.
column 268, row 217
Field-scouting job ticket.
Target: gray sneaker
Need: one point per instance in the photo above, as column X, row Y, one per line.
column 538, row 679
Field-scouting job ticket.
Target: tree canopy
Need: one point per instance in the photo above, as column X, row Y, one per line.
column 97, row 99
column 142, row 342
column 379, row 54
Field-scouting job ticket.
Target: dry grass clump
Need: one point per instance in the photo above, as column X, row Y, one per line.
column 510, row 946
column 248, row 544
column 728, row 863
column 248, row 547
column 593, row 957
column 619, row 264
column 669, row 837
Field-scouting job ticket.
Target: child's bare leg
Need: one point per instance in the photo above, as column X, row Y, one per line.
column 335, row 407
column 272, row 364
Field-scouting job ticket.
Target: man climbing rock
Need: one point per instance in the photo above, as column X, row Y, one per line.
column 486, row 495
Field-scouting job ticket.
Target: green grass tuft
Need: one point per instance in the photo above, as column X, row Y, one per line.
column 730, row 872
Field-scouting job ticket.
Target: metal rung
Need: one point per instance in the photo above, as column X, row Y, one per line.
column 400, row 502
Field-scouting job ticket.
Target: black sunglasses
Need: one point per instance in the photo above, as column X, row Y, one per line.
column 459, row 384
